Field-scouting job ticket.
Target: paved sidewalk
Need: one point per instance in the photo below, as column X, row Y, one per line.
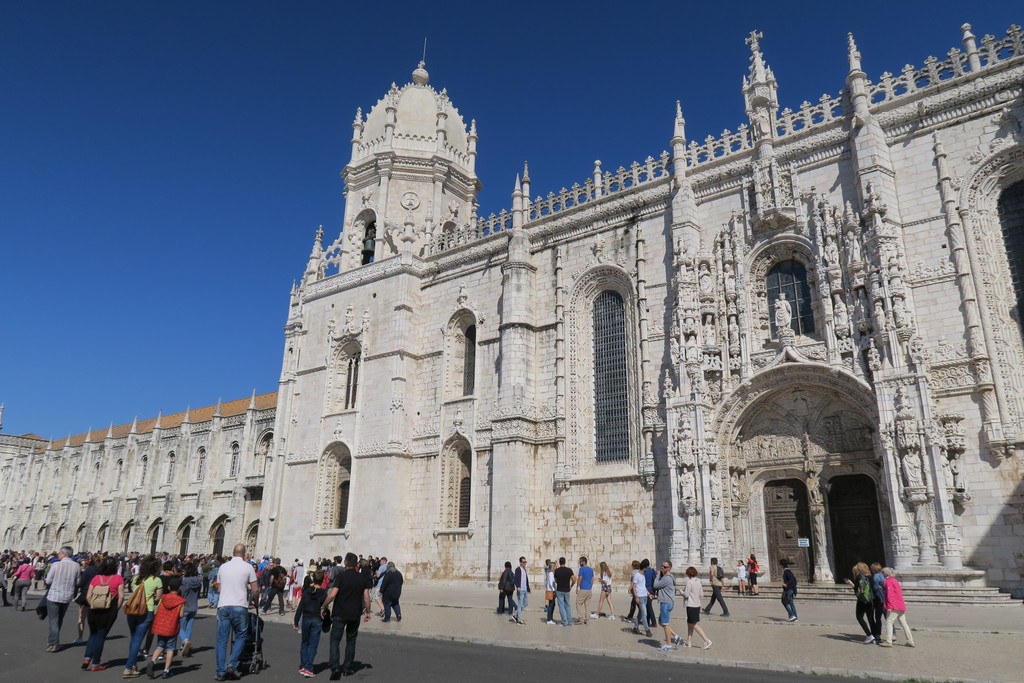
column 953, row 643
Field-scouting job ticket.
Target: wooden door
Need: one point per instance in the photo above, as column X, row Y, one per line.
column 787, row 520
column 856, row 524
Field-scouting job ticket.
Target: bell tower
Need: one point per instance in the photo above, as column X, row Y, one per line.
column 412, row 173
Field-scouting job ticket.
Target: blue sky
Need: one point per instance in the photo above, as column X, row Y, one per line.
column 163, row 166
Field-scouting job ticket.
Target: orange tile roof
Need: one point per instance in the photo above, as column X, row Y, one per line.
column 204, row 414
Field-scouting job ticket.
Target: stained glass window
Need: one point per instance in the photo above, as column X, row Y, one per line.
column 790, row 278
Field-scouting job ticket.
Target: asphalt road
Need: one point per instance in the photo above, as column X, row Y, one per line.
column 381, row 657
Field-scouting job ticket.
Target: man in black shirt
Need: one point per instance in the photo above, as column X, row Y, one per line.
column 563, row 585
column 350, row 592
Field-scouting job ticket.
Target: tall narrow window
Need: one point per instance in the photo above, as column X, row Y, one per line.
column 347, row 377
column 143, row 470
column 1011, row 218
column 96, row 469
column 170, row 468
column 119, row 475
column 201, row 464
column 790, row 278
column 611, row 398
column 343, row 491
column 263, row 454
column 233, row 468
column 469, row 361
column 464, row 491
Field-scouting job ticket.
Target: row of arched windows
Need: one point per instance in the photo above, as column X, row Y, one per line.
column 262, row 456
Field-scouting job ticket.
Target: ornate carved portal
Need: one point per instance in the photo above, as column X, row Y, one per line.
column 791, row 444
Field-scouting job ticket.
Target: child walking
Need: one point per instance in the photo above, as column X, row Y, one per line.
column 166, row 622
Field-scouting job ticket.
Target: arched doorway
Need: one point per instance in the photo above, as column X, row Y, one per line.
column 787, row 521
column 251, row 536
column 856, row 524
column 126, row 536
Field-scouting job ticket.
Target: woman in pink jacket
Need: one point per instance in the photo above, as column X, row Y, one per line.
column 895, row 608
column 22, row 579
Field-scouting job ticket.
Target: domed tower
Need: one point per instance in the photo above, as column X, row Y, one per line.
column 413, row 166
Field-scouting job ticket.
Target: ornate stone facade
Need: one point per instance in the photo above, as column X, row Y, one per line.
column 816, row 312
column 798, row 339
column 188, row 482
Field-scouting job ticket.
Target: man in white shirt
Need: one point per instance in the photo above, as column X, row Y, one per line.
column 236, row 583
column 522, row 581
column 61, row 582
column 640, row 597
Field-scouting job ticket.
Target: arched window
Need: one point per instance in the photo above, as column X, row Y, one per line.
column 201, row 464
column 263, row 454
column 347, row 376
column 143, row 470
column 183, row 539
column 369, row 242
column 456, row 504
column 611, row 401
column 170, row 468
column 119, row 475
column 334, row 486
column 96, row 469
column 1011, row 218
column 469, row 361
column 233, row 468
column 790, row 278
column 218, row 540
column 154, row 538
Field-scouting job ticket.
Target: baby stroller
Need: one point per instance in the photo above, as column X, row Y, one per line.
column 252, row 660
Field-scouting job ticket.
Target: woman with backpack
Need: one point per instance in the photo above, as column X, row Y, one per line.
column 788, row 589
column 140, row 607
column 861, row 585
column 104, row 597
column 506, row 589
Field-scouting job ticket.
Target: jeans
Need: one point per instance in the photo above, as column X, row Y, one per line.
column 388, row 604
column 99, row 627
column 641, row 614
column 551, row 607
column 351, row 631
column 311, row 629
column 787, row 602
column 187, row 620
column 878, row 607
column 890, row 618
column 138, row 626
column 55, row 612
column 524, row 600
column 509, row 597
column 564, row 608
column 231, row 619
column 650, row 609
column 21, row 593
column 213, row 596
column 716, row 596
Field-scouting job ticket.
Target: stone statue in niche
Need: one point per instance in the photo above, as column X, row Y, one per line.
column 687, row 486
column 716, row 486
column 783, row 312
column 705, row 279
column 762, row 450
column 912, row 470
column 831, row 253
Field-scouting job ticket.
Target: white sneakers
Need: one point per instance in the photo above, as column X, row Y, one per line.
column 869, row 639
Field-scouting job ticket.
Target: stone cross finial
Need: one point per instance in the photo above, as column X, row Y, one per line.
column 755, row 36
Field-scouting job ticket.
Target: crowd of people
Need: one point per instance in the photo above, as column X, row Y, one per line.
column 160, row 595
column 879, row 596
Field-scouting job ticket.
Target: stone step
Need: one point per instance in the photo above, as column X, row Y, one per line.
column 918, row 595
